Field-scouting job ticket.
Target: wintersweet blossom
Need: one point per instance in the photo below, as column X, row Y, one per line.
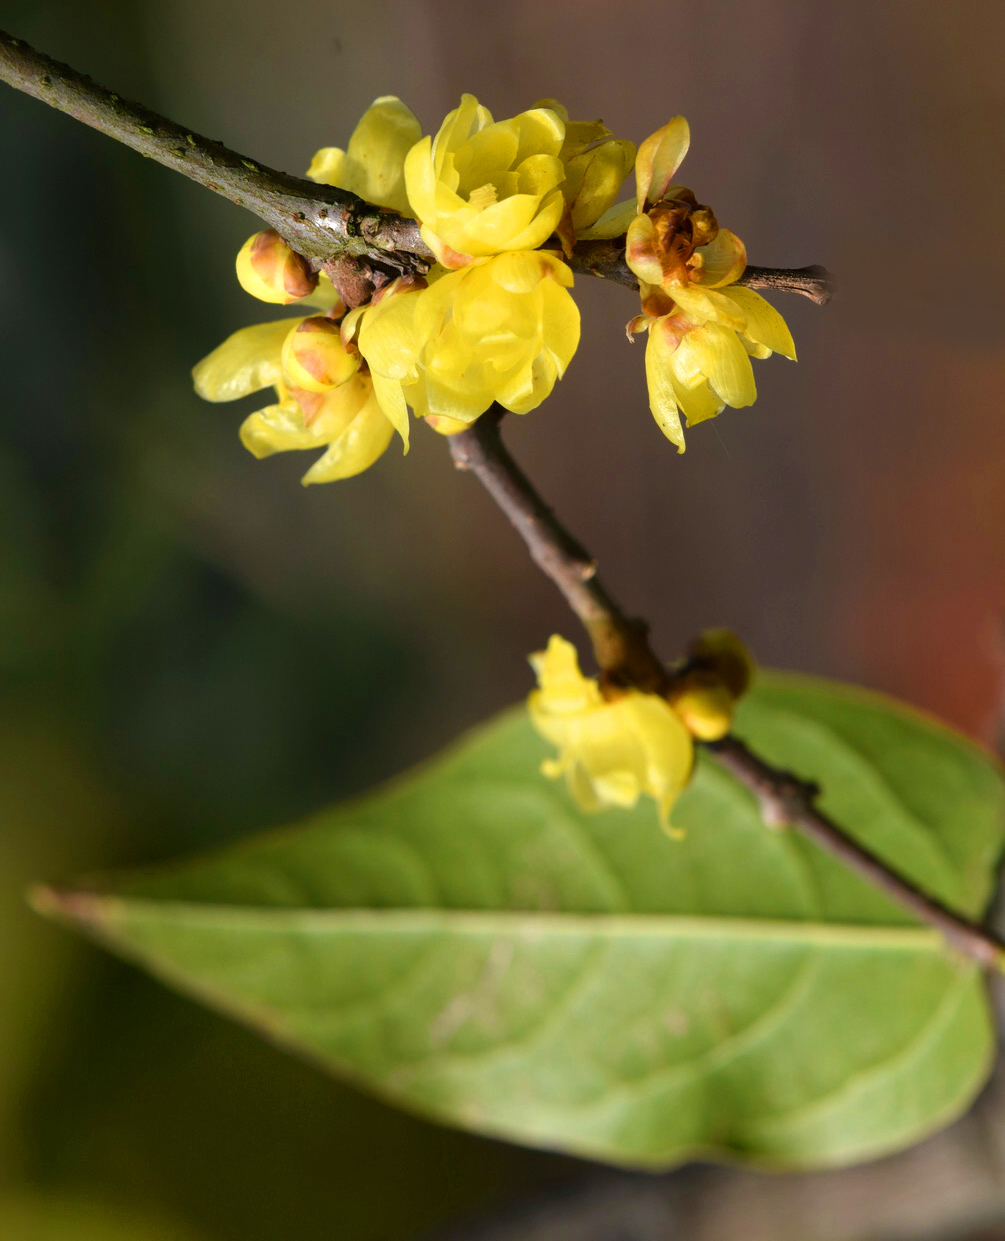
column 703, row 329
column 696, row 367
column 500, row 330
column 482, row 187
column 342, row 417
column 610, row 751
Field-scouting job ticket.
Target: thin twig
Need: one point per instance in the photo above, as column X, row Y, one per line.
column 606, row 259
column 320, row 222
column 623, row 653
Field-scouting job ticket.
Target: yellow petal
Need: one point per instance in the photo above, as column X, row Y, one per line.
column 356, row 449
column 467, row 118
column 387, row 337
column 562, row 685
column 541, row 131
column 658, row 159
column 544, row 223
column 373, row 163
column 719, row 356
column 613, row 223
column 662, row 399
column 640, row 250
column 326, row 166
column 494, row 228
column 707, row 305
column 277, row 428
column 723, row 260
column 420, row 180
column 486, row 154
column 561, row 324
column 600, row 172
column 391, row 400
column 314, row 358
column 697, row 402
column 519, row 271
column 764, row 325
column 539, row 174
column 245, row 362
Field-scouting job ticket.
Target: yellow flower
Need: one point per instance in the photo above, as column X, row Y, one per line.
column 703, row 329
column 500, row 330
column 596, row 165
column 696, row 367
column 373, row 164
column 344, row 418
column 482, row 187
column 611, row 752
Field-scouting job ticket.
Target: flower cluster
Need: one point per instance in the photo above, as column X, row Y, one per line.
column 494, row 320
column 615, row 747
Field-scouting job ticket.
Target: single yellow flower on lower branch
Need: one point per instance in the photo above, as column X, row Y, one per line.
column 611, row 751
column 618, row 746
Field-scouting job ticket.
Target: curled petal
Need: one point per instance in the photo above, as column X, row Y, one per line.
column 658, row 159
column 276, row 428
column 613, row 223
column 594, row 178
column 640, row 250
column 697, row 402
column 362, row 441
column 722, row 261
column 420, row 179
column 716, row 352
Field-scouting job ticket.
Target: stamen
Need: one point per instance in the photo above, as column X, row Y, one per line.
column 483, row 197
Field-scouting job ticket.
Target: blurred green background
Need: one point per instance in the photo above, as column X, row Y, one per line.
column 193, row 647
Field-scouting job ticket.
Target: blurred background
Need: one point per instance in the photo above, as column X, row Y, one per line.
column 193, row 647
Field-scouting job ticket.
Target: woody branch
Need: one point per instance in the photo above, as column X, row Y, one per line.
column 322, row 223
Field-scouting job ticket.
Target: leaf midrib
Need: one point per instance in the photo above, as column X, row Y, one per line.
column 108, row 913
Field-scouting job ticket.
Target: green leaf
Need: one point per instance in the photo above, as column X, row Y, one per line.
column 470, row 946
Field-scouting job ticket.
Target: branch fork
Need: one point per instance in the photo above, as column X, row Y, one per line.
column 361, row 246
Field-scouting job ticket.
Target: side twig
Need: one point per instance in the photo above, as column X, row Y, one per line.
column 320, row 222
column 624, row 655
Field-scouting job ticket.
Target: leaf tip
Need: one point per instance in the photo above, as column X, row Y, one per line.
column 64, row 905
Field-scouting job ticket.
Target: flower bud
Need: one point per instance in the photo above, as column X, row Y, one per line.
column 705, row 705
column 314, row 357
column 268, row 269
column 720, row 652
